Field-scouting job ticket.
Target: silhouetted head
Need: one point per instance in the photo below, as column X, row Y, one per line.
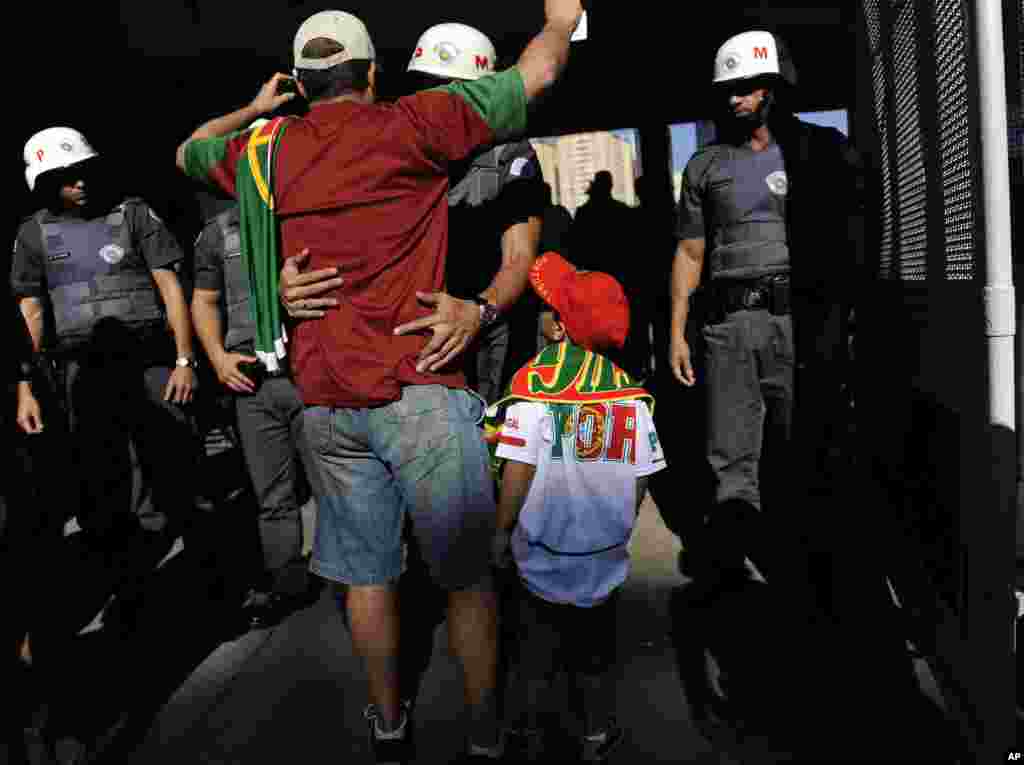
column 601, row 186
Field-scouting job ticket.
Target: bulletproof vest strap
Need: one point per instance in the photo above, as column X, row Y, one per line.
column 481, row 183
column 241, row 329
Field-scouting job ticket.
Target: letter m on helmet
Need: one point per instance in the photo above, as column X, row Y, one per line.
column 483, row 62
column 761, row 52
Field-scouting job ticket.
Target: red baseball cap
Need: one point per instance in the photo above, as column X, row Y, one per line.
column 592, row 305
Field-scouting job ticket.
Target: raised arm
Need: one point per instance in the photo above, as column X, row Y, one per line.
column 542, row 62
column 266, row 101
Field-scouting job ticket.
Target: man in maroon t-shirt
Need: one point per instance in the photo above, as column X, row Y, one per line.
column 364, row 187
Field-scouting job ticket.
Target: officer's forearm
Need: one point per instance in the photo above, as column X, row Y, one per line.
column 519, row 250
column 32, row 310
column 177, row 312
column 686, row 268
column 208, row 324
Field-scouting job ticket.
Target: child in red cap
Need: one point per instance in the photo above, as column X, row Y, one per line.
column 578, row 443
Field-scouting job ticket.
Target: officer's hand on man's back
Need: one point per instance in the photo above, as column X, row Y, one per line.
column 453, row 324
column 302, row 294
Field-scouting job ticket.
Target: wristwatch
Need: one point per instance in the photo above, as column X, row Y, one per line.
column 488, row 311
column 185, row 361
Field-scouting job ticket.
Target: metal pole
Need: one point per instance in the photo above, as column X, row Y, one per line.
column 1000, row 305
column 988, row 579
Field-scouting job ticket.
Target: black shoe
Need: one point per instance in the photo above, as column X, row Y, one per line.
column 390, row 751
column 264, row 610
column 600, row 750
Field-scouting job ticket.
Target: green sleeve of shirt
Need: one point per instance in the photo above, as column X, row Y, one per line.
column 215, row 160
column 499, row 99
column 202, row 155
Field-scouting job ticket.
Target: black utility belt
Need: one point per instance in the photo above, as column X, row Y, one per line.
column 769, row 293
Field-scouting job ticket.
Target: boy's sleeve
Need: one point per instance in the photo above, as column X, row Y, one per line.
column 522, row 433
column 215, row 160
column 650, row 457
column 455, row 120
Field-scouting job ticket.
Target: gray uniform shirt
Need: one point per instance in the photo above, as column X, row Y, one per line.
column 736, row 198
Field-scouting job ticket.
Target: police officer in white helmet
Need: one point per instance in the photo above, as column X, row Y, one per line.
column 767, row 206
column 95, row 275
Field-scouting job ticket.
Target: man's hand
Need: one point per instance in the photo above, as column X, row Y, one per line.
column 564, row 13
column 181, row 385
column 268, row 99
column 30, row 416
column 226, row 367
column 679, row 360
column 301, row 293
column 454, row 323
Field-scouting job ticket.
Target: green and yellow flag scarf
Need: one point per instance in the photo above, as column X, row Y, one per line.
column 562, row 373
column 261, row 240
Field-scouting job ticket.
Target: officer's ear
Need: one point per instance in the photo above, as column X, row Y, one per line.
column 371, row 78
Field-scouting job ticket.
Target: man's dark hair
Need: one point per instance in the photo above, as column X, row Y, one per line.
column 348, row 77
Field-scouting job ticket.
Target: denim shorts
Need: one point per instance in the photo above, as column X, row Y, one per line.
column 423, row 455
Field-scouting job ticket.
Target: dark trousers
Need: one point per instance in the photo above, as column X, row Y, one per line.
column 485, row 367
column 132, row 454
column 270, row 427
column 775, row 415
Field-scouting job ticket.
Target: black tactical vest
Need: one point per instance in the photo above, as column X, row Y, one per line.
column 241, row 327
column 747, row 192
column 94, row 271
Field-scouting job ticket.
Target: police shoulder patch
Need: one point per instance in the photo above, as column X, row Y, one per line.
column 518, row 166
column 778, row 183
column 112, row 253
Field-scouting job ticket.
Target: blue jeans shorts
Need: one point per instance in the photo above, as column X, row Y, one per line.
column 423, row 455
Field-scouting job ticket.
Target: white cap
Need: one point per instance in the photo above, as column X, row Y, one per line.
column 343, row 28
column 53, row 149
column 753, row 54
column 457, row 51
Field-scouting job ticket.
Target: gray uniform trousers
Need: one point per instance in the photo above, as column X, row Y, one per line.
column 270, row 427
column 771, row 451
column 749, row 359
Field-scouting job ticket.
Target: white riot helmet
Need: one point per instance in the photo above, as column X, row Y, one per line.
column 53, row 149
column 753, row 54
column 454, row 50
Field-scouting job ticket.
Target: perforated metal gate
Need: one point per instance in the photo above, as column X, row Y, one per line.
column 908, row 40
column 925, row 333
